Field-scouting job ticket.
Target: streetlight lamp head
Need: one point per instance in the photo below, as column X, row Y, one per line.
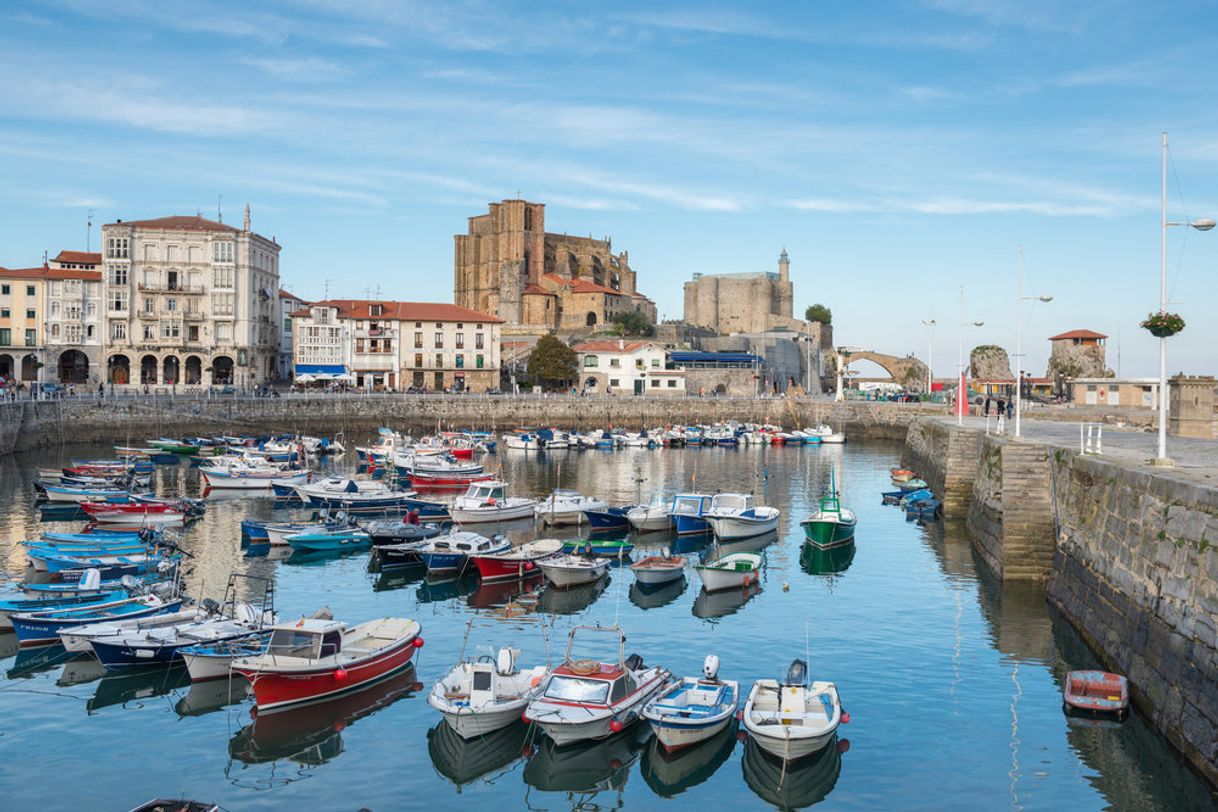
column 1045, row 298
column 1203, row 225
column 978, row 323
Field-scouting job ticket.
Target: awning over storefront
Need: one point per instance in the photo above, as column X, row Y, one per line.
column 320, row 369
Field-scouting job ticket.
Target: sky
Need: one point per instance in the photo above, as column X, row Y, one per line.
column 897, row 150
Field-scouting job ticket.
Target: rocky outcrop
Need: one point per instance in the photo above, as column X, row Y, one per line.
column 989, row 362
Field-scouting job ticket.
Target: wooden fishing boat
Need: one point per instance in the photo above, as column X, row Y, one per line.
column 830, row 526
column 451, row 552
column 312, row 659
column 1097, row 692
column 573, row 570
column 519, row 562
column 608, row 519
column 693, row 709
column 734, row 571
column 902, row 474
column 688, row 513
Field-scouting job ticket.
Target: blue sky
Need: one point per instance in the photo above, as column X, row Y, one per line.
column 897, row 150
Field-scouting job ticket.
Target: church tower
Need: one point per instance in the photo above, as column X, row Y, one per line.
column 784, row 266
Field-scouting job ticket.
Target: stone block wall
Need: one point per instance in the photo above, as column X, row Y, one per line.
column 1010, row 516
column 1191, row 406
column 948, row 458
column 1136, row 572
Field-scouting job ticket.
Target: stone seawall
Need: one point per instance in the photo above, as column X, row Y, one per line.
column 1128, row 554
column 1136, row 572
column 27, row 425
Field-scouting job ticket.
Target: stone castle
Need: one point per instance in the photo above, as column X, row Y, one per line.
column 508, row 265
column 743, row 302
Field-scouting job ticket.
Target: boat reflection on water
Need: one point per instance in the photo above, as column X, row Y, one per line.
column 9, row 645
column 802, row 783
column 81, row 669
column 498, row 594
column 691, row 545
column 135, row 685
column 464, row 760
column 726, row 602
column 671, row 773
column 445, row 589
column 754, row 544
column 816, row 561
column 586, row 767
column 400, row 578
column 571, row 600
column 212, row 695
column 312, row 735
column 653, row 597
column 31, row 661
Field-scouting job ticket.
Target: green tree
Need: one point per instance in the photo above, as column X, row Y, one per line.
column 818, row 312
column 552, row 362
column 633, row 323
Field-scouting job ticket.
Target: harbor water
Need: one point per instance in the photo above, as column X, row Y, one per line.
column 951, row 678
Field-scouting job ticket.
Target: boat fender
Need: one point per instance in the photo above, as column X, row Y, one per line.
column 340, row 674
column 524, row 717
column 417, row 642
column 616, row 726
column 845, row 718
column 527, row 750
column 741, row 736
column 739, row 716
column 534, row 683
column 843, row 746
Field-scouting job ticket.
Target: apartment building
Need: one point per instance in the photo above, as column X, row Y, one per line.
column 627, row 368
column 189, row 301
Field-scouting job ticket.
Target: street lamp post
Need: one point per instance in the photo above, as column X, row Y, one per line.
column 962, row 391
column 1019, row 300
column 1200, row 225
column 930, row 351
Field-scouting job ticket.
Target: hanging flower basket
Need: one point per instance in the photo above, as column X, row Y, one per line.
column 1163, row 325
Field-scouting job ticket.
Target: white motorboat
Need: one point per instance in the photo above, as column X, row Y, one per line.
column 480, row 696
column 657, row 515
column 658, row 569
column 693, row 709
column 734, row 516
column 488, row 502
column 258, row 479
column 792, row 719
column 341, row 486
column 522, row 441
column 733, row 571
column 564, row 507
column 573, row 570
column 585, row 699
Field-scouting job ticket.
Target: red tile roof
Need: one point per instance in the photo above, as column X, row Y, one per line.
column 79, row 257
column 581, row 285
column 403, row 311
column 287, row 294
column 24, row 273
column 611, row 345
column 1078, row 334
column 537, row 290
column 42, row 272
column 179, row 222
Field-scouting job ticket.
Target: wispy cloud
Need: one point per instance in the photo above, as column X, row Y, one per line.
column 297, row 69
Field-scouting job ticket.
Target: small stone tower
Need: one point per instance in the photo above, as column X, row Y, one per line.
column 784, row 266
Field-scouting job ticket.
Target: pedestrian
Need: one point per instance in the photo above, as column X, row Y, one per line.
column 1010, row 409
column 987, row 406
column 101, row 391
column 1002, row 408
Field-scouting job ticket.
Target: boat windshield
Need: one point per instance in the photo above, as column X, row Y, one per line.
column 293, row 643
column 687, row 505
column 574, row 689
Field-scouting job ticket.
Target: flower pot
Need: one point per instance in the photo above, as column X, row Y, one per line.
column 1162, row 331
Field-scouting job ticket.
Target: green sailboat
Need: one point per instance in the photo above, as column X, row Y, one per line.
column 831, row 526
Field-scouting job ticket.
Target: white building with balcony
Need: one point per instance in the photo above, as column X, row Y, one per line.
column 72, row 329
column 189, row 301
column 622, row 367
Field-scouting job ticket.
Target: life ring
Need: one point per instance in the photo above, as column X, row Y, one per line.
column 584, row 667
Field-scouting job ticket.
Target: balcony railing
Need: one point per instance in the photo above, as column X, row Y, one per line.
column 194, row 315
column 148, row 314
column 165, row 287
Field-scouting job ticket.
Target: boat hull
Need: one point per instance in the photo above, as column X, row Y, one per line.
column 674, row 737
column 655, row 577
column 733, row 527
column 718, row 580
column 828, row 534
column 492, row 513
column 564, row 577
column 791, row 748
column 275, row 691
column 690, row 525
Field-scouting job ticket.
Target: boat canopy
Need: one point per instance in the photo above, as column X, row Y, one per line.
column 731, row 501
column 307, row 638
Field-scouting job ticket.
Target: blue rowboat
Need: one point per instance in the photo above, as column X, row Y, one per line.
column 426, row 509
column 82, row 587
column 687, row 512
column 891, row 497
column 451, row 553
column 108, row 565
column 360, row 504
column 164, row 646
column 613, row 518
column 329, row 541
column 24, row 606
column 97, row 536
column 255, row 531
column 692, row 710
column 43, row 628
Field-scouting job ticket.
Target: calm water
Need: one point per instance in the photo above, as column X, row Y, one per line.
column 951, row 678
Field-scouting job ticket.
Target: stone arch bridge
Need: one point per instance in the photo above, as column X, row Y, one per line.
column 906, row 370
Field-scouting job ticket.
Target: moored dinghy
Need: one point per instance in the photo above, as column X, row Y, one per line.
column 1096, row 692
column 564, row 507
column 793, row 719
column 735, row 516
column 693, row 709
column 734, row 571
column 658, row 569
column 572, row 570
column 832, row 525
column 489, row 502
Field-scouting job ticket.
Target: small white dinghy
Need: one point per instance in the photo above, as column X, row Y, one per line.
column 481, row 696
column 655, row 516
column 572, row 570
column 734, row 571
column 564, row 507
column 793, row 719
column 658, row 569
column 693, row 709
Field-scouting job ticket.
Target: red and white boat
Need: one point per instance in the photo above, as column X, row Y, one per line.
column 138, row 513
column 425, row 480
column 312, row 659
column 519, row 562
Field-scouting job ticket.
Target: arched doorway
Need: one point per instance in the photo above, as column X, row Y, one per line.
column 590, row 320
column 222, row 370
column 194, row 370
column 170, row 370
column 6, row 365
column 29, row 367
column 148, row 369
column 590, row 382
column 118, row 369
column 73, row 367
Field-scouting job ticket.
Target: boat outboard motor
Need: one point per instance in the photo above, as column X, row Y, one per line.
column 92, row 579
column 710, row 667
column 245, row 613
column 128, row 582
column 323, row 613
column 634, row 662
column 210, row 606
column 797, row 674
